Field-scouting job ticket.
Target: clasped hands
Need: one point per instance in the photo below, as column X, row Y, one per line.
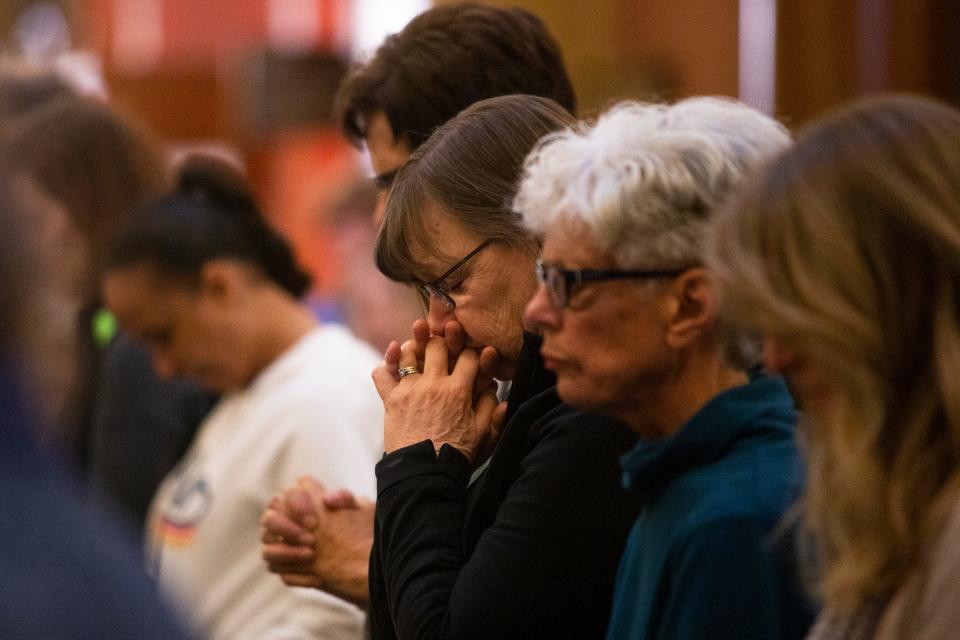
column 322, row 539
column 317, row 538
column 451, row 401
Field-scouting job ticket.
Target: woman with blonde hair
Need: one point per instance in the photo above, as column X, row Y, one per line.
column 845, row 254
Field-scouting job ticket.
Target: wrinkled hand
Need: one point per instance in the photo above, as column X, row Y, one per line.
column 456, row 406
column 320, row 539
column 454, row 338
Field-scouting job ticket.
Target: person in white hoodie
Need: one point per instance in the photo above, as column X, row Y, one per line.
column 201, row 279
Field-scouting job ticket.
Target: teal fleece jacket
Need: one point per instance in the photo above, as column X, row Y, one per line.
column 707, row 556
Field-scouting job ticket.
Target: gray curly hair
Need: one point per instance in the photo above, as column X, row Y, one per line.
column 645, row 179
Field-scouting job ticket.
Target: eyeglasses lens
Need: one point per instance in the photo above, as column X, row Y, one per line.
column 428, row 291
column 556, row 287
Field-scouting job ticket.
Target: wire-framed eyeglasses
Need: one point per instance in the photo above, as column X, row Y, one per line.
column 438, row 288
column 560, row 283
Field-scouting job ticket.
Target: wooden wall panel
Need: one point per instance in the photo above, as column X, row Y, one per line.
column 816, row 56
column 829, row 52
column 645, row 49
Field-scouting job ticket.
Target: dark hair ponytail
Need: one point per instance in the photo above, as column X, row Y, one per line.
column 211, row 214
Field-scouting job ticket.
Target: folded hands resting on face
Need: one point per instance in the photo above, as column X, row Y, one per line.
column 452, row 400
column 322, row 539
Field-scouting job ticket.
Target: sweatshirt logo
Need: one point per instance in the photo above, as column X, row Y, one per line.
column 184, row 513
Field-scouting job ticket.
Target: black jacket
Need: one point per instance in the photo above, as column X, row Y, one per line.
column 530, row 550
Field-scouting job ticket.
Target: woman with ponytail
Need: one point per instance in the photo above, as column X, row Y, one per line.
column 213, row 292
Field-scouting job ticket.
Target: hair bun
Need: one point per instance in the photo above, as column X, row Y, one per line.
column 218, row 186
column 209, row 180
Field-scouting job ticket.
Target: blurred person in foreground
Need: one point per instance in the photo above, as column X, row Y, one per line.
column 845, row 254
column 214, row 293
column 125, row 427
column 630, row 326
column 523, row 542
column 443, row 61
column 67, row 572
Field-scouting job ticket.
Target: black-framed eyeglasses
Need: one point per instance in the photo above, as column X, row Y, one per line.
column 438, row 288
column 383, row 181
column 559, row 283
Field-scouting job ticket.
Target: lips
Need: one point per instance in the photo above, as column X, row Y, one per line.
column 550, row 361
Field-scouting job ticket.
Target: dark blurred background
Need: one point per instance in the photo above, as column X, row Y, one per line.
column 254, row 79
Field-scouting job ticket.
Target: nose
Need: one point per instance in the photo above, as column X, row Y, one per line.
column 777, row 356
column 437, row 315
column 539, row 312
column 163, row 364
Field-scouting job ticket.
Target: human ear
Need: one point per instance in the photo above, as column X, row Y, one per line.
column 220, row 280
column 694, row 309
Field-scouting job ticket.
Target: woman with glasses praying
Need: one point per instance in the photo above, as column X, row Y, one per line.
column 630, row 328
column 522, row 543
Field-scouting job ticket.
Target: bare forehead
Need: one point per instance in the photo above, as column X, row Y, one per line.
column 440, row 239
column 133, row 298
column 572, row 245
column 147, row 273
column 141, row 287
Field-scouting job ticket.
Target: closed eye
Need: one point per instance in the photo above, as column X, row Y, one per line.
column 454, row 285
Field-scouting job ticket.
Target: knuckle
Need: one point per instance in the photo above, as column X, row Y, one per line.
column 460, row 395
column 394, row 401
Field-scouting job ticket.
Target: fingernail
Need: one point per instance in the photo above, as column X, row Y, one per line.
column 309, row 522
column 307, row 539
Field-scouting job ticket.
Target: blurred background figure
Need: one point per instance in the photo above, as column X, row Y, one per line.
column 479, row 52
column 213, row 292
column 22, row 89
column 123, row 426
column 67, row 572
column 844, row 254
column 375, row 308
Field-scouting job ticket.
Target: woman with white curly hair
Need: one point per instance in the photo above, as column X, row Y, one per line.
column 629, row 317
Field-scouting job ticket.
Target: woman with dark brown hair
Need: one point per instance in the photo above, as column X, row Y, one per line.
column 523, row 542
column 214, row 293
